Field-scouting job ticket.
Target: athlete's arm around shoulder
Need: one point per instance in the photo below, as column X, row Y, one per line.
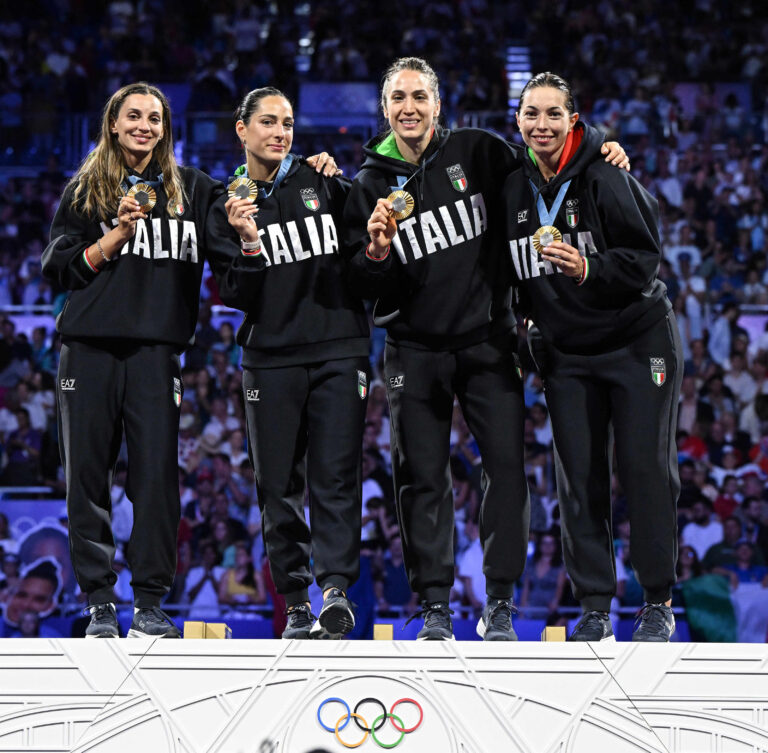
column 629, row 218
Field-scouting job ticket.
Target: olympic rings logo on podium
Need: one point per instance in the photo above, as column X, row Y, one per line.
column 378, row 722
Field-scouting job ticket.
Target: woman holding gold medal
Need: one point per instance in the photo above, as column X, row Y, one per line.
column 129, row 241
column 432, row 252
column 305, row 364
column 584, row 244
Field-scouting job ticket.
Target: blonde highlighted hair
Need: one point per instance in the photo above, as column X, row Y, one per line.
column 98, row 181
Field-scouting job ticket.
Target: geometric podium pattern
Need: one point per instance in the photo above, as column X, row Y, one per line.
column 233, row 696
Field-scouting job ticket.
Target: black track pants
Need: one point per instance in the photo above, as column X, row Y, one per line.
column 305, row 428
column 590, row 397
column 421, row 385
column 101, row 390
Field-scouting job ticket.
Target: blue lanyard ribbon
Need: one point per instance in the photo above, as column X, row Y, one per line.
column 547, row 217
column 285, row 166
column 132, row 180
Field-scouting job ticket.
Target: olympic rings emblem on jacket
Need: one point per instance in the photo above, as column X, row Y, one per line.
column 378, row 722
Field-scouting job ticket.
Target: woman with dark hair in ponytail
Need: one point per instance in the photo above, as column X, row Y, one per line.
column 305, row 365
column 584, row 244
column 129, row 241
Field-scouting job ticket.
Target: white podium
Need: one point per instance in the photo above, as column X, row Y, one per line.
column 247, row 696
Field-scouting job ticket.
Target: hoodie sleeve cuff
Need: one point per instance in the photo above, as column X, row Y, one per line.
column 375, row 258
column 91, row 267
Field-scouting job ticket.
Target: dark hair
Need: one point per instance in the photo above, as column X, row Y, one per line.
column 251, row 101
column 555, row 82
column 47, row 569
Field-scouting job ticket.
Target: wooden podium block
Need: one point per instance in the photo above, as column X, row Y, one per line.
column 217, row 630
column 553, row 634
column 383, row 632
column 194, row 629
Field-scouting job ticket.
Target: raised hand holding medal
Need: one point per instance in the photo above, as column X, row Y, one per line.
column 241, row 208
column 548, row 240
column 382, row 224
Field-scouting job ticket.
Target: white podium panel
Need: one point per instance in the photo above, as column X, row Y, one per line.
column 241, row 696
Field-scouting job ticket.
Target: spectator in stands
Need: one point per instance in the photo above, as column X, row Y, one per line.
column 724, row 552
column 391, row 586
column 242, row 584
column 202, row 585
column 544, row 578
column 704, row 530
column 23, row 449
column 745, row 569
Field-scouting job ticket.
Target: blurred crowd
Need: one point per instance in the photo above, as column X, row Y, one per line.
column 707, row 165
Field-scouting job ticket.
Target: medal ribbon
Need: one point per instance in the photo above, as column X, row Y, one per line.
column 285, row 166
column 132, row 180
column 547, row 217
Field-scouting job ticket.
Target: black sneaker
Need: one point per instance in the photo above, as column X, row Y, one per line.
column 437, row 621
column 495, row 624
column 657, row 624
column 300, row 619
column 103, row 622
column 152, row 622
column 593, row 626
column 336, row 617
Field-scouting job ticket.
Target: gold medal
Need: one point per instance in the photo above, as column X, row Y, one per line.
column 545, row 235
column 145, row 195
column 243, row 188
column 402, row 204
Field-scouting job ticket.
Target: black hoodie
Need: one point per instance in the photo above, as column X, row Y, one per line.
column 612, row 220
column 150, row 291
column 446, row 280
column 299, row 308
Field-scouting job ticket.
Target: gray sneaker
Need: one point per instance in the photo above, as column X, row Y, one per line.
column 152, row 622
column 593, row 626
column 300, row 619
column 103, row 622
column 657, row 624
column 437, row 621
column 495, row 624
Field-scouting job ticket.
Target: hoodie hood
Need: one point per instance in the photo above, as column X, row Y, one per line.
column 394, row 166
column 587, row 152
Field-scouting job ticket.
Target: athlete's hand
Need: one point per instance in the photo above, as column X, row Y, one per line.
column 241, row 214
column 381, row 227
column 128, row 213
column 325, row 164
column 615, row 154
column 564, row 256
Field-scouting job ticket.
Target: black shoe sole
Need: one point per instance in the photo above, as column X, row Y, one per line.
column 336, row 619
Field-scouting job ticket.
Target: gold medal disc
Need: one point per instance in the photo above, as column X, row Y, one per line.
column 243, row 188
column 402, row 204
column 145, row 195
column 545, row 235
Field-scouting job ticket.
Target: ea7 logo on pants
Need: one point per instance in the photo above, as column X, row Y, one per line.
column 397, row 382
column 252, row 396
column 67, row 385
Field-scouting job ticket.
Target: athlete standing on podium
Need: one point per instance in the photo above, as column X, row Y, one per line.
column 584, row 242
column 128, row 241
column 305, row 366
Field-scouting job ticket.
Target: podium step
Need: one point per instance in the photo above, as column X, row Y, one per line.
column 265, row 696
